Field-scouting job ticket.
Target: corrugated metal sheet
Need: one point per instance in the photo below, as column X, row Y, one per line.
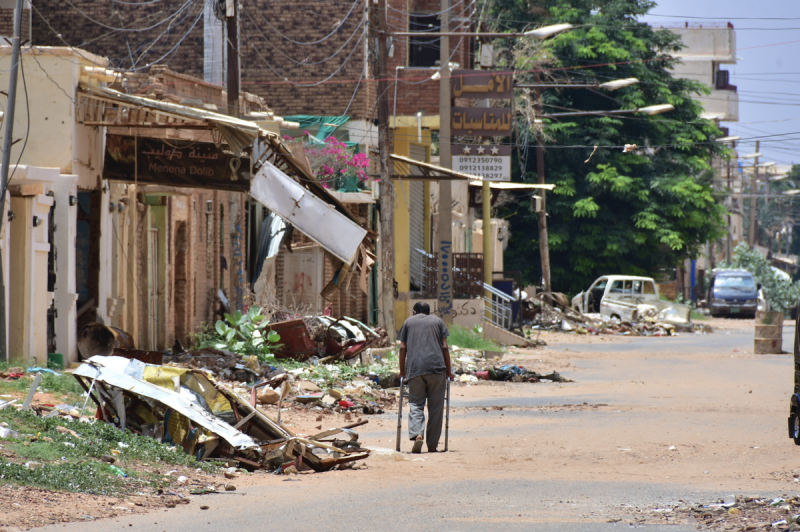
column 315, row 218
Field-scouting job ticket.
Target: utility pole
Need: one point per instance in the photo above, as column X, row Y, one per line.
column 729, row 240
column 378, row 62
column 544, row 246
column 232, row 45
column 753, row 239
column 7, row 142
column 444, row 242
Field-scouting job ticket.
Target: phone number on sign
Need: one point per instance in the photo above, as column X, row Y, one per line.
column 478, row 168
column 480, row 160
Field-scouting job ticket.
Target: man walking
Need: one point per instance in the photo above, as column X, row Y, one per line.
column 425, row 366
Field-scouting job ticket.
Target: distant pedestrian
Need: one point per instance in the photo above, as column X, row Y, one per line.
column 425, row 366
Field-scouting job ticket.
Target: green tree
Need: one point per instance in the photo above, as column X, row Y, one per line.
column 631, row 213
column 774, row 213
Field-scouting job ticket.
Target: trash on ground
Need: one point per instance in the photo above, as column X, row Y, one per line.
column 190, row 409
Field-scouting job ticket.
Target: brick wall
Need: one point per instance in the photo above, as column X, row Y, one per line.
column 126, row 48
column 272, row 67
column 269, row 59
column 7, row 23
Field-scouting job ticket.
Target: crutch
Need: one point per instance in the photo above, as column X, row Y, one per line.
column 400, row 416
column 447, row 416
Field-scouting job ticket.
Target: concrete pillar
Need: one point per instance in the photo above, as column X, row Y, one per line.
column 28, row 297
column 5, row 243
column 104, row 275
column 66, row 296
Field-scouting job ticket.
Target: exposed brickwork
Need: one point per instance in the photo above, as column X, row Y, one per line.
column 124, row 48
column 272, row 67
column 7, row 23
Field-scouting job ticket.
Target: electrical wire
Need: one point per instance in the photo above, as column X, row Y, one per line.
column 180, row 9
column 309, row 43
column 281, row 52
column 313, row 84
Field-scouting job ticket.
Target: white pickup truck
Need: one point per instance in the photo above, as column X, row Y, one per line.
column 625, row 297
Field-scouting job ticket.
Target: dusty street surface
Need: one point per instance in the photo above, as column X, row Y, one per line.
column 650, row 424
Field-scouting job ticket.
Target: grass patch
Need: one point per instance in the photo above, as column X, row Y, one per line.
column 697, row 316
column 470, row 339
column 72, row 464
column 64, row 386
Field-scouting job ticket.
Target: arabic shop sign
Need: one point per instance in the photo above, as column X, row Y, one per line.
column 482, row 121
column 482, row 84
column 175, row 163
column 489, row 161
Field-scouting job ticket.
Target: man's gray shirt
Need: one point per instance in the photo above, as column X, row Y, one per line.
column 423, row 335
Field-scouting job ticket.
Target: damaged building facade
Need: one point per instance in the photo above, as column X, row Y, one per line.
column 130, row 205
column 344, row 107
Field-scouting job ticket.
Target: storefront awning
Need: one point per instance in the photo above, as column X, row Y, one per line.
column 129, row 111
column 413, row 170
column 499, row 185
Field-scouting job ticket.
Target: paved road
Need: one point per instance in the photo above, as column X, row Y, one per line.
column 547, row 461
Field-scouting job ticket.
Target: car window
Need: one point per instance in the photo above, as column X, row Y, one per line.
column 637, row 287
column 649, row 288
column 741, row 282
column 599, row 285
column 627, row 290
column 617, row 287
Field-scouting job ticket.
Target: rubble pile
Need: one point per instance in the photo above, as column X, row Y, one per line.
column 206, row 417
column 472, row 366
column 226, row 365
column 649, row 323
column 741, row 514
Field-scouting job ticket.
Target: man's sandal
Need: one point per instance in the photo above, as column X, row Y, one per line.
column 417, row 449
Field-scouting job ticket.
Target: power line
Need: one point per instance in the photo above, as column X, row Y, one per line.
column 300, row 43
column 180, row 9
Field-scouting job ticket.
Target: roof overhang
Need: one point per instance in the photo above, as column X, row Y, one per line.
column 129, row 111
column 413, row 170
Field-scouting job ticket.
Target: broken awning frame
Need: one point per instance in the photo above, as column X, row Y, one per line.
column 428, row 172
column 238, row 134
column 498, row 185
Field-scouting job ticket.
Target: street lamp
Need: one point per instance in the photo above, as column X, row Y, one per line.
column 547, row 31
column 538, row 33
column 609, row 85
column 444, row 244
column 650, row 110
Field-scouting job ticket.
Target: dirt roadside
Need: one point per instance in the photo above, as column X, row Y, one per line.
column 700, row 413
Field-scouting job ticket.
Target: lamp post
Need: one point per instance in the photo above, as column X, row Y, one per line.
column 752, row 239
column 544, row 245
column 731, row 140
column 444, row 244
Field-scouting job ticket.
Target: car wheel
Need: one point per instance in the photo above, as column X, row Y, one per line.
column 616, row 316
column 794, row 424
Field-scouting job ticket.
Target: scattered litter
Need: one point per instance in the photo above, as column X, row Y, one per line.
column 390, row 455
column 190, row 409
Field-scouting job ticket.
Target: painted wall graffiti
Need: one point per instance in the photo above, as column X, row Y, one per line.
column 445, row 305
